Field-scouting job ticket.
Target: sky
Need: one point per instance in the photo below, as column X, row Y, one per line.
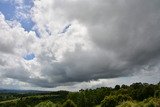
column 78, row 44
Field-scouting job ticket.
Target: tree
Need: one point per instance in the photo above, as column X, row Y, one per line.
column 21, row 103
column 124, row 86
column 148, row 91
column 117, row 87
column 69, row 103
column 136, row 85
column 109, row 101
column 157, row 94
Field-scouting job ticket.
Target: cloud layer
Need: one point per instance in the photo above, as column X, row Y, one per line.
column 77, row 41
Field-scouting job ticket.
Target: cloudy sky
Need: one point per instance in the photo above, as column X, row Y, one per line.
column 74, row 44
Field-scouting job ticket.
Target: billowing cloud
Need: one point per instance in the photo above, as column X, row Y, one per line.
column 79, row 41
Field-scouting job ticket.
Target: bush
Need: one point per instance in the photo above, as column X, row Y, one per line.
column 151, row 102
column 69, row 103
column 109, row 101
column 157, row 93
column 46, row 104
column 126, row 104
column 122, row 98
column 112, row 101
column 21, row 103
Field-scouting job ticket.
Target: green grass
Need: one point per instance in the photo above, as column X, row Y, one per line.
column 8, row 101
column 46, row 104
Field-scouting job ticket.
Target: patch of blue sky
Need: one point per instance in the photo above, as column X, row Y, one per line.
column 29, row 56
column 29, row 2
column 23, row 15
column 27, row 24
column 10, row 10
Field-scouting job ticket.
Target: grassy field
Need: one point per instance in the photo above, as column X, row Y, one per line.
column 9, row 101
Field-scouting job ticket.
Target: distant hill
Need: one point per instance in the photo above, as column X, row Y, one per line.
column 21, row 91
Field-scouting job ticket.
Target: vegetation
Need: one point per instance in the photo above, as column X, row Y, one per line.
column 46, row 104
column 151, row 102
column 69, row 103
column 135, row 95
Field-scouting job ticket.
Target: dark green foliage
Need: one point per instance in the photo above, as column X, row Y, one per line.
column 69, row 103
column 117, row 87
column 109, row 101
column 124, row 86
column 89, row 98
column 113, row 100
column 21, row 103
column 151, row 102
column 157, row 93
column 33, row 99
column 107, row 97
column 122, row 98
column 136, row 91
column 139, row 91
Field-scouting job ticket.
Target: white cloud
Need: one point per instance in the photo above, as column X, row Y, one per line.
column 106, row 39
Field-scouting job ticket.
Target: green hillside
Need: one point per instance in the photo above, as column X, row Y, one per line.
column 135, row 95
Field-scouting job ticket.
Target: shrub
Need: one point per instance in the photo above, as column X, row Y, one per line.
column 126, row 104
column 46, row 104
column 109, row 101
column 69, row 103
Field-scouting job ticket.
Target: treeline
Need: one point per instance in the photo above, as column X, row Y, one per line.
column 111, row 97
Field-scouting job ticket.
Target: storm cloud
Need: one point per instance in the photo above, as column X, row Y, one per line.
column 106, row 39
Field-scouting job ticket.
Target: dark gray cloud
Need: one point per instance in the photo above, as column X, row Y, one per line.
column 125, row 35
